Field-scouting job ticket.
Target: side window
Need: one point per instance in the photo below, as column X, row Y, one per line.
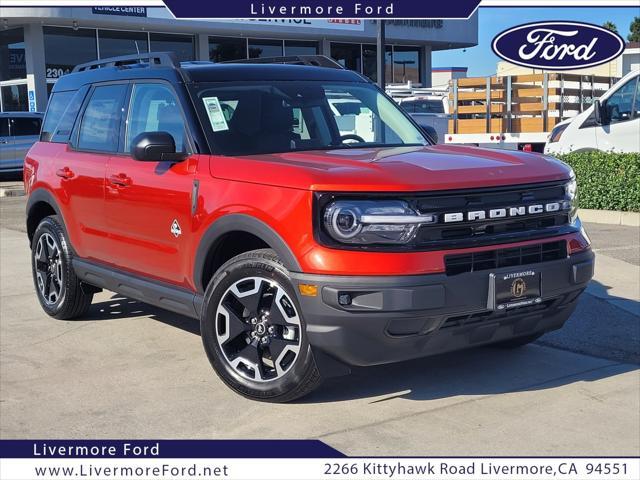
column 4, row 127
column 25, row 126
column 154, row 108
column 56, row 108
column 100, row 126
column 63, row 130
column 619, row 106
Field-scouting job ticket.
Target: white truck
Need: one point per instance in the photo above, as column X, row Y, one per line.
column 518, row 112
column 612, row 123
column 428, row 107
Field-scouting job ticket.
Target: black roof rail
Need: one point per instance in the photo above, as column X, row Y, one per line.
column 156, row 59
column 311, row 60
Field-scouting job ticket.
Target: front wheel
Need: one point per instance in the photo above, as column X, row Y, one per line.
column 253, row 331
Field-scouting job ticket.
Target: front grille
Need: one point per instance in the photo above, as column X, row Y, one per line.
column 488, row 231
column 505, row 257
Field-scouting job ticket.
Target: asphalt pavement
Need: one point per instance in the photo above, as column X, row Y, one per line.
column 129, row 370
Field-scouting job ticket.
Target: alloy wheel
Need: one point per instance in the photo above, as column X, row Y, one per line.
column 258, row 329
column 48, row 266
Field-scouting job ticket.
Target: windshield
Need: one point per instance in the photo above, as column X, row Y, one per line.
column 253, row 118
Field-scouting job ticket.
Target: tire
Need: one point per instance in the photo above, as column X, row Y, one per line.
column 517, row 342
column 57, row 286
column 253, row 331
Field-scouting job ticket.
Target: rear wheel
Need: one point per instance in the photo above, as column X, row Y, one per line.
column 57, row 286
column 253, row 331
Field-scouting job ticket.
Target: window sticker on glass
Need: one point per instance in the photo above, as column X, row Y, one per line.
column 216, row 117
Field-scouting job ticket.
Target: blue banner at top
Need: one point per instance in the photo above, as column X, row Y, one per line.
column 398, row 9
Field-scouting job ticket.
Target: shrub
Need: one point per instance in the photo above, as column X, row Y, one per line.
column 607, row 181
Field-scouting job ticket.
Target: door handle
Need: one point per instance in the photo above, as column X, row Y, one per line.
column 2, row 140
column 65, row 173
column 121, row 180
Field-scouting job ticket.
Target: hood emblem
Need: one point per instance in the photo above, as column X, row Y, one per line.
column 175, row 229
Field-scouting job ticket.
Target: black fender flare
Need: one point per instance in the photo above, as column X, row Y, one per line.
column 43, row 196
column 238, row 222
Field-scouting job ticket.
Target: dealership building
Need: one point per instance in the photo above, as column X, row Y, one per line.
column 38, row 45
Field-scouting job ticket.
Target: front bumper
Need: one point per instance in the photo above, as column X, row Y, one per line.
column 395, row 318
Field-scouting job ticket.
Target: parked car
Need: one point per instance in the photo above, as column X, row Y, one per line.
column 227, row 193
column 612, row 123
column 18, row 131
column 431, row 112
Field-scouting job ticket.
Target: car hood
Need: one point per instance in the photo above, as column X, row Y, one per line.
column 438, row 167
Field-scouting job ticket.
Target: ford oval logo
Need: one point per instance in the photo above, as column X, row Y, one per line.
column 558, row 45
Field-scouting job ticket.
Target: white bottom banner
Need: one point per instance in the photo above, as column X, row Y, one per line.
column 538, row 468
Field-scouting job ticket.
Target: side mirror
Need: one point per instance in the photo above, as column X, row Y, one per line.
column 597, row 111
column 155, row 147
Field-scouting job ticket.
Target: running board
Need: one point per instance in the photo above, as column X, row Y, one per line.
column 159, row 294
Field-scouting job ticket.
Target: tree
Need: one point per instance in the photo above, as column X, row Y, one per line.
column 610, row 26
column 634, row 30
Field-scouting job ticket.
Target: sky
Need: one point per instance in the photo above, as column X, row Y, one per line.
column 482, row 61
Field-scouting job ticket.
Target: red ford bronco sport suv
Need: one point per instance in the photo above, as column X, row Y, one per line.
column 298, row 213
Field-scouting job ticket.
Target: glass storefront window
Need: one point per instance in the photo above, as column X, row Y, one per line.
column 181, row 45
column 14, row 98
column 222, row 49
column 406, row 64
column 370, row 62
column 402, row 64
column 264, row 48
column 64, row 48
column 12, row 56
column 115, row 43
column 347, row 55
column 294, row 47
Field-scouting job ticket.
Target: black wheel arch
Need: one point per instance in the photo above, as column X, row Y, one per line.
column 41, row 204
column 239, row 223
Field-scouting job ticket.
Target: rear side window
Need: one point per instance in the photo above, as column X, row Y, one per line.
column 25, row 126
column 100, row 127
column 57, row 106
column 62, row 132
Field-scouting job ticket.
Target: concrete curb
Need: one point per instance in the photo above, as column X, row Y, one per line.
column 610, row 217
column 11, row 192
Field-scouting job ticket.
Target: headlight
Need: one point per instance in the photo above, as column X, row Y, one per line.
column 373, row 221
column 557, row 132
column 571, row 190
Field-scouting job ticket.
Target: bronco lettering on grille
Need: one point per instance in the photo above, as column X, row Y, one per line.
column 505, row 212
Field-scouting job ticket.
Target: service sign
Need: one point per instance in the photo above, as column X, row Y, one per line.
column 558, row 45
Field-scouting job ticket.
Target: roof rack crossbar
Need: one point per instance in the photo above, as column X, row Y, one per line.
column 156, row 59
column 310, row 60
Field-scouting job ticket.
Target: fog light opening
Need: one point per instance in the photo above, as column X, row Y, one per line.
column 344, row 299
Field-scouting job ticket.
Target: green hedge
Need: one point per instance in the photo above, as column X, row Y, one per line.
column 607, row 181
